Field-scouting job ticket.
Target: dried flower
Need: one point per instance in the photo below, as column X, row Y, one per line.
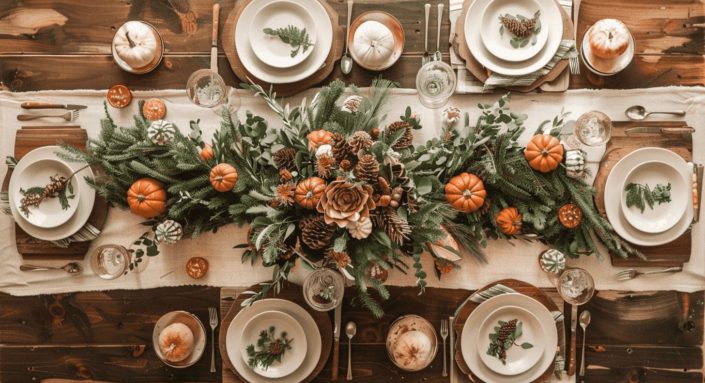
column 285, row 175
column 285, row 194
column 325, row 164
column 340, row 258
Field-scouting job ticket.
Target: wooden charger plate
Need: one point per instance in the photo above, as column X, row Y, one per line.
column 293, row 293
column 283, row 90
column 483, row 74
column 468, row 307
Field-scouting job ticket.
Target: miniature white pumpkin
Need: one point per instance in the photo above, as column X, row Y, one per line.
column 168, row 232
column 176, row 342
column 412, row 350
column 608, row 38
column 136, row 44
column 373, row 44
column 575, row 163
column 161, row 132
column 552, row 261
column 360, row 229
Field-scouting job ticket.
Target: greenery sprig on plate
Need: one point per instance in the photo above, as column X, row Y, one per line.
column 58, row 187
column 523, row 29
column 641, row 195
column 504, row 337
column 292, row 35
column 269, row 349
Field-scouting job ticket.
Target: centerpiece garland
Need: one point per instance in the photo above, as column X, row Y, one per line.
column 328, row 185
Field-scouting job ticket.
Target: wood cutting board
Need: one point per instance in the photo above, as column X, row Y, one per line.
column 282, row 90
column 27, row 139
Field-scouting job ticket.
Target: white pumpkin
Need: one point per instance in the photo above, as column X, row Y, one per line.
column 136, row 44
column 372, row 44
column 176, row 342
column 360, row 229
column 608, row 38
column 161, row 132
column 575, row 163
column 169, row 232
column 412, row 350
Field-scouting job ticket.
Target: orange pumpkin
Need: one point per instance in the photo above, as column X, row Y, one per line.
column 223, row 177
column 465, row 192
column 544, row 153
column 317, row 138
column 206, row 154
column 509, row 221
column 309, row 192
column 147, row 198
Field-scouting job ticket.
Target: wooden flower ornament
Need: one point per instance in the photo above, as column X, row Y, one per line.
column 223, row 177
column 147, row 198
column 544, row 153
column 465, row 192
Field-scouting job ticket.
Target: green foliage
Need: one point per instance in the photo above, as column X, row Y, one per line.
column 641, row 195
column 269, row 348
column 292, row 35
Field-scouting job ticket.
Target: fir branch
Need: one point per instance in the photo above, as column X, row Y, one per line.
column 292, row 35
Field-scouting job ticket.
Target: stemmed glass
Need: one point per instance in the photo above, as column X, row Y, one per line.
column 206, row 88
column 435, row 83
column 324, row 289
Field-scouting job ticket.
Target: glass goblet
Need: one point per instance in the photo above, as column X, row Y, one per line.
column 323, row 289
column 435, row 83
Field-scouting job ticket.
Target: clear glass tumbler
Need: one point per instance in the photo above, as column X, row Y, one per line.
column 110, row 261
column 575, row 286
column 324, row 289
column 435, row 83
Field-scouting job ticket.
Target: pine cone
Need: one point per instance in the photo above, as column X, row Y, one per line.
column 400, row 176
column 396, row 227
column 367, row 169
column 56, row 185
column 406, row 138
column 519, row 28
column 341, row 148
column 315, row 233
column 352, row 103
column 360, row 140
column 285, row 159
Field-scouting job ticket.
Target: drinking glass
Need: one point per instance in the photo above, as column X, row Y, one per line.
column 110, row 261
column 575, row 286
column 593, row 128
column 207, row 89
column 324, row 289
column 435, row 83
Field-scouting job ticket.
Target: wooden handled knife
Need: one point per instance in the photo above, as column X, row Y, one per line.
column 47, row 105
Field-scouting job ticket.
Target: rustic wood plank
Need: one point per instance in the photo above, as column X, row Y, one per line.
column 641, row 375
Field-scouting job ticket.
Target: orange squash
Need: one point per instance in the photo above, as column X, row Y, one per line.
column 465, row 192
column 544, row 153
column 223, row 177
column 509, row 221
column 206, row 154
column 309, row 192
column 317, row 138
column 147, row 198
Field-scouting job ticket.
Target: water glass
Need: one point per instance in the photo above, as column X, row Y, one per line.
column 435, row 83
column 324, row 289
column 206, row 88
column 575, row 286
column 593, row 128
column 110, row 261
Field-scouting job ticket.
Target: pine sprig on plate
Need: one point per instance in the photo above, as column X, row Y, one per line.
column 269, row 348
column 504, row 337
column 523, row 29
column 292, row 35
column 641, row 195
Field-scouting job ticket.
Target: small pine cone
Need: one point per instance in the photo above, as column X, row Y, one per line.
column 56, row 185
column 367, row 169
column 315, row 233
column 325, row 164
column 351, row 104
column 346, row 165
column 285, row 159
column 360, row 140
column 406, row 138
column 374, row 133
column 341, row 148
column 399, row 173
column 396, row 227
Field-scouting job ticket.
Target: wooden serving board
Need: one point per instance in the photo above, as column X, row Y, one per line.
column 289, row 292
column 27, row 139
column 283, row 90
column 481, row 73
column 671, row 254
column 521, row 287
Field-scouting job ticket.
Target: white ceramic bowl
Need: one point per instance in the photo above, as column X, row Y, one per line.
column 405, row 324
column 606, row 67
column 194, row 324
column 499, row 44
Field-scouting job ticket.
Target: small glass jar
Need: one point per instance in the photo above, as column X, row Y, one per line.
column 323, row 289
column 110, row 261
column 435, row 83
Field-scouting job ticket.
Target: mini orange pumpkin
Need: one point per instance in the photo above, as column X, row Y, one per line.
column 509, row 221
column 206, row 154
column 544, row 153
column 223, row 177
column 317, row 138
column 147, row 198
column 309, row 192
column 465, row 192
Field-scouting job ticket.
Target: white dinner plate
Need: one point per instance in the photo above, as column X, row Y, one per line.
column 552, row 21
column 49, row 213
column 85, row 203
column 615, row 181
column 665, row 215
column 283, row 323
column 233, row 341
column 499, row 43
column 271, row 50
column 324, row 41
column 468, row 338
column 517, row 359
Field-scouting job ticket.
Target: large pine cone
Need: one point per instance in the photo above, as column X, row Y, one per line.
column 285, row 159
column 360, row 140
column 406, row 138
column 367, row 169
column 316, row 233
column 341, row 148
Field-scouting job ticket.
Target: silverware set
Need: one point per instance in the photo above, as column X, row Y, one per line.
column 71, row 114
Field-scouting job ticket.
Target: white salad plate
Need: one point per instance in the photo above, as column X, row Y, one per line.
column 551, row 20
column 499, row 43
column 665, row 215
column 518, row 359
column 473, row 324
column 283, row 323
column 85, row 203
column 271, row 50
column 272, row 75
column 234, row 342
column 613, row 206
column 49, row 213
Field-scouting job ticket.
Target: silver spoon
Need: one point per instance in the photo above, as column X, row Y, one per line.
column 437, row 56
column 638, row 112
column 71, row 268
column 350, row 331
column 426, row 56
column 346, row 62
column 584, row 322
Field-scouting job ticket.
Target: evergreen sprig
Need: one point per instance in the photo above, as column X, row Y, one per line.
column 641, row 195
column 292, row 35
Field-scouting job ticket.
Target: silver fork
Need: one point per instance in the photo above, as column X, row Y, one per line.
column 628, row 274
column 444, row 335
column 68, row 116
column 574, row 64
column 214, row 323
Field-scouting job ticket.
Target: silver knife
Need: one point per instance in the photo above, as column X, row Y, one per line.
column 658, row 129
column 573, row 338
column 697, row 191
column 48, row 105
column 336, row 339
